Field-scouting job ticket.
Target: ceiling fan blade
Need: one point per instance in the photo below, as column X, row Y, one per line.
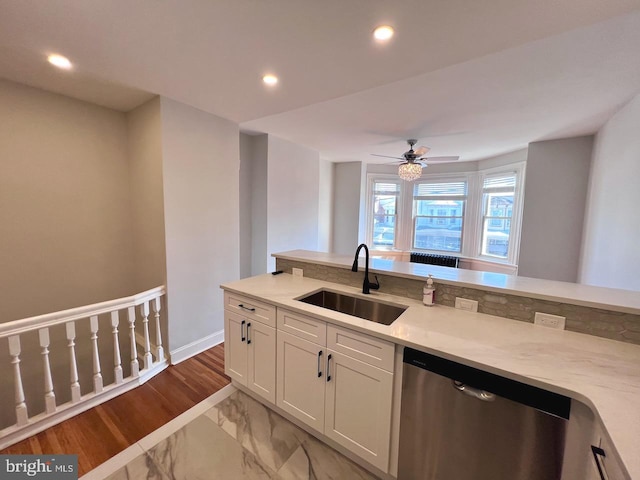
column 430, row 160
column 386, row 156
column 422, row 150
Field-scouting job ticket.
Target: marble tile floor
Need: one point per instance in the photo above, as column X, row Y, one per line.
column 230, row 437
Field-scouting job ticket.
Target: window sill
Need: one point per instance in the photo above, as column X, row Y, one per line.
column 469, row 263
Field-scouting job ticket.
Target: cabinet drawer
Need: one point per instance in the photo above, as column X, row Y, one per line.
column 303, row 326
column 250, row 308
column 365, row 348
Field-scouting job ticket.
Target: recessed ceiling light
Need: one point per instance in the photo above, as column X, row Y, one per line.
column 383, row 33
column 270, row 79
column 59, row 61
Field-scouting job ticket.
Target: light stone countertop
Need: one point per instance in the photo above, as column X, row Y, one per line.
column 627, row 301
column 603, row 374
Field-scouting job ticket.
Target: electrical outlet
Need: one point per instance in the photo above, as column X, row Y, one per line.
column 297, row 272
column 548, row 320
column 466, row 304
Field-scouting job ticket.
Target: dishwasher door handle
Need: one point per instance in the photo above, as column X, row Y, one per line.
column 474, row 392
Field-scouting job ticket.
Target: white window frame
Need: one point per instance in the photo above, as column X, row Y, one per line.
column 441, row 178
column 372, row 179
column 472, row 217
column 518, row 170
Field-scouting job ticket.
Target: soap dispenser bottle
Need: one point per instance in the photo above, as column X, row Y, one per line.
column 428, row 293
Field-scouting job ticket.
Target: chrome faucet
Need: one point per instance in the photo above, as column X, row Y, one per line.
column 366, row 285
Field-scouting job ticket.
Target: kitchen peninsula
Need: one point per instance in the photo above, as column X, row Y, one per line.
column 600, row 373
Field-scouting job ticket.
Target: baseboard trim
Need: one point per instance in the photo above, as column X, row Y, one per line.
column 194, row 348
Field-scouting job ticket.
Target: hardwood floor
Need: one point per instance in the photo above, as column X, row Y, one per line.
column 101, row 432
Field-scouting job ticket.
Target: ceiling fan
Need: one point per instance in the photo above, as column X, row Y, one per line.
column 413, row 161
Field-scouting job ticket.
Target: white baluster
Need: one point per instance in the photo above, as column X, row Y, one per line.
column 144, row 311
column 117, row 367
column 21, row 407
column 97, row 373
column 156, row 305
column 73, row 366
column 135, row 367
column 49, row 395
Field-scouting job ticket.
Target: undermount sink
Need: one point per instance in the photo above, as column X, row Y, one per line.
column 372, row 310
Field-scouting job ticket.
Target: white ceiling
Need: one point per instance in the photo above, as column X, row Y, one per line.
column 467, row 78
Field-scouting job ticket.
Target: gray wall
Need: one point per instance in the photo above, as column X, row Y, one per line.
column 246, row 151
column 554, row 203
column 144, row 127
column 201, row 202
column 610, row 253
column 346, row 206
column 259, row 147
column 65, row 221
column 325, row 206
column 292, row 198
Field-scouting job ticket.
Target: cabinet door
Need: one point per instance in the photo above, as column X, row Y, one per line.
column 261, row 344
column 300, row 380
column 235, row 347
column 358, row 408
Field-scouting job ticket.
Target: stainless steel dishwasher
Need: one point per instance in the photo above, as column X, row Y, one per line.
column 461, row 423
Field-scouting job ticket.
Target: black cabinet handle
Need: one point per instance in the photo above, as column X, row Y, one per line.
column 247, row 308
column 597, row 454
column 329, row 368
column 319, row 357
column 242, row 338
column 248, row 333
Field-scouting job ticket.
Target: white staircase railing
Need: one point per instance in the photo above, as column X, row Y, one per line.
column 87, row 316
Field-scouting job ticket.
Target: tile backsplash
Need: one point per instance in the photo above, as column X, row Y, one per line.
column 624, row 327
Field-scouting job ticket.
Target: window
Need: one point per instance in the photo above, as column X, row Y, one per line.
column 472, row 214
column 385, row 211
column 498, row 195
column 443, row 230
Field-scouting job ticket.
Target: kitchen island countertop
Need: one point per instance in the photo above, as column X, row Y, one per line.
column 603, row 374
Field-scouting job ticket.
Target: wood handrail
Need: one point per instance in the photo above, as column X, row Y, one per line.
column 24, row 325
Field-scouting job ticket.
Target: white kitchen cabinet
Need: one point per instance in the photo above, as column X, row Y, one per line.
column 300, row 386
column 261, row 346
column 358, row 407
column 584, row 434
column 250, row 354
column 337, row 391
column 235, row 347
column 610, row 466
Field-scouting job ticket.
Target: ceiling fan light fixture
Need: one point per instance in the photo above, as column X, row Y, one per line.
column 410, row 171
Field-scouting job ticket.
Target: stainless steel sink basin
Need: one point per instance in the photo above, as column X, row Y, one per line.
column 372, row 310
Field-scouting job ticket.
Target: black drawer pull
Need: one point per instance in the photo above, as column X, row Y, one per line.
column 247, row 308
column 598, row 453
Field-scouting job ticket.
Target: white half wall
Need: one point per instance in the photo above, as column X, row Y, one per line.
column 554, row 203
column 610, row 254
column 201, row 199
column 292, row 198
